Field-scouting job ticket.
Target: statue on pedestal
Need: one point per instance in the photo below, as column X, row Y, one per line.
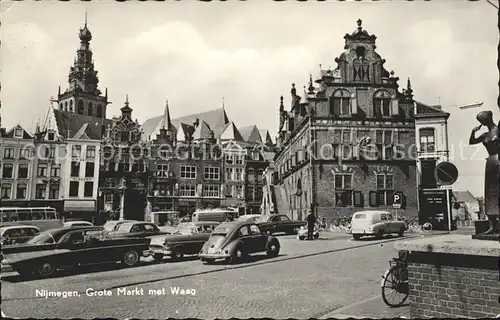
column 491, row 141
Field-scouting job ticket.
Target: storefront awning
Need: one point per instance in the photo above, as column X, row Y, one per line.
column 79, row 205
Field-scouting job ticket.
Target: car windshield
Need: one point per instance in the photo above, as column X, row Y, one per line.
column 221, row 231
column 42, row 238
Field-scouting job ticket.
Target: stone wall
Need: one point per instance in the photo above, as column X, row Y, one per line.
column 453, row 285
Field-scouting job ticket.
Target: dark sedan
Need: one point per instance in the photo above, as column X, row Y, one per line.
column 234, row 241
column 137, row 229
column 275, row 223
column 71, row 247
column 188, row 239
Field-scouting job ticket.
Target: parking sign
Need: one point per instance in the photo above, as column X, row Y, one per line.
column 398, row 200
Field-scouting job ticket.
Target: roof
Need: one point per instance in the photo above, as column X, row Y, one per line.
column 11, row 132
column 202, row 131
column 216, row 119
column 464, row 196
column 72, row 125
column 230, row 132
column 423, row 109
column 266, row 137
column 251, row 134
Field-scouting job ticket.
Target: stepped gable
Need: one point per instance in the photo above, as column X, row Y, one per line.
column 69, row 124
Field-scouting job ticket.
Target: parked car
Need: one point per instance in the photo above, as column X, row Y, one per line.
column 17, row 234
column 187, row 239
column 70, row 224
column 137, row 229
column 375, row 223
column 112, row 225
column 249, row 217
column 50, row 250
column 234, row 241
column 274, row 223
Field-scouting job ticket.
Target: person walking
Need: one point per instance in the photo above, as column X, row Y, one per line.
column 311, row 222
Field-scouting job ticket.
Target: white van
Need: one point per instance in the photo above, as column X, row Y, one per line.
column 375, row 223
column 219, row 215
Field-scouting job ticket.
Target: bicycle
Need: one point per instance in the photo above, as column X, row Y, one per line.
column 395, row 280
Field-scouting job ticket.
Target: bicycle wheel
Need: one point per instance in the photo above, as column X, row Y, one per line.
column 395, row 286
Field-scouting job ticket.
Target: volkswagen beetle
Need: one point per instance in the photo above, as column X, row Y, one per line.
column 235, row 240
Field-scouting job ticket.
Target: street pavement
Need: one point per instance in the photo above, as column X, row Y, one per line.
column 329, row 277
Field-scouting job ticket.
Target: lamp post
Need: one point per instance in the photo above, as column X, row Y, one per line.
column 122, row 188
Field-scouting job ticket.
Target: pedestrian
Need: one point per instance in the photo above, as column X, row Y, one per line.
column 311, row 221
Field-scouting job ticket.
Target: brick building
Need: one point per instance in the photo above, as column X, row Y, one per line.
column 345, row 144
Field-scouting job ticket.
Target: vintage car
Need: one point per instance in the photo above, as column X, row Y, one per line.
column 235, row 240
column 136, row 229
column 375, row 223
column 187, row 239
column 59, row 248
column 17, row 234
column 275, row 223
column 112, row 225
column 70, row 224
column 249, row 217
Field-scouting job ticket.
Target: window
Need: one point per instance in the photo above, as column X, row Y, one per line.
column 238, row 174
column 41, row 170
column 73, row 188
column 52, row 152
column 54, row 191
column 90, row 152
column 343, row 190
column 162, row 170
column 88, row 189
column 229, row 174
column 243, row 231
column 427, row 141
column 187, row 190
column 21, row 191
column 382, row 104
column 8, row 169
column 22, row 172
column 254, row 229
column 211, row 190
column 8, row 153
column 284, row 218
column 340, row 103
column 125, row 136
column 228, row 191
column 250, row 175
column 238, row 191
column 89, row 169
column 229, row 159
column 75, row 168
column 150, row 228
column 6, row 191
column 51, row 136
column 19, row 133
column 25, row 154
column 238, row 159
column 55, row 171
column 41, row 191
column 76, row 151
column 385, row 189
column 188, row 172
column 212, row 173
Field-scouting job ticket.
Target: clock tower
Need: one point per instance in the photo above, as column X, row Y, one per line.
column 83, row 96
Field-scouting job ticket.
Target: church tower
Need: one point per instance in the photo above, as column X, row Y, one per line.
column 83, row 95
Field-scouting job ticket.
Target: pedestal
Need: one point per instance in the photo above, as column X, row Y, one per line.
column 452, row 276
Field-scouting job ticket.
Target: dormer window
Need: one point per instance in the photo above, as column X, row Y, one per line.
column 382, row 104
column 18, row 133
column 51, row 136
column 340, row 103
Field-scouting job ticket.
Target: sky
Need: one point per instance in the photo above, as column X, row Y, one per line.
column 198, row 54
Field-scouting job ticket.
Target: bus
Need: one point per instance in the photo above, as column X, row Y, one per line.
column 44, row 218
column 219, row 214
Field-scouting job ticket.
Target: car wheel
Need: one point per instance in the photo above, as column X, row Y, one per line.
column 158, row 257
column 46, row 269
column 236, row 257
column 273, row 249
column 177, row 254
column 356, row 236
column 401, row 232
column 130, row 258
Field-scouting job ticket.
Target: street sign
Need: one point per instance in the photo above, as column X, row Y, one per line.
column 398, row 200
column 446, row 173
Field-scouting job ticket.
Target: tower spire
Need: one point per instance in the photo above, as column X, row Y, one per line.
column 223, row 103
column 167, row 124
column 85, row 17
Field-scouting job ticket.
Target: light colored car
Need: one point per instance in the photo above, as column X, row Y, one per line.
column 17, row 234
column 249, row 217
column 375, row 223
column 70, row 224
